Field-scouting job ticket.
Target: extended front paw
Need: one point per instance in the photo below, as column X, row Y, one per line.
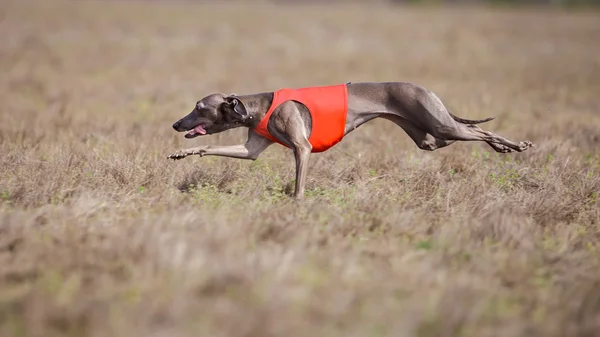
column 178, row 155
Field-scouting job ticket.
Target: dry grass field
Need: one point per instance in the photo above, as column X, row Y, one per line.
column 101, row 235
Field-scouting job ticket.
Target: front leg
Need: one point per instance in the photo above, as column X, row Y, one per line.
column 289, row 124
column 301, row 154
column 253, row 147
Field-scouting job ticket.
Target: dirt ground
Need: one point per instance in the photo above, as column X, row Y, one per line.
column 101, row 235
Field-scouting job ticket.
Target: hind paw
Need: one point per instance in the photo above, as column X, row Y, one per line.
column 501, row 148
column 525, row 145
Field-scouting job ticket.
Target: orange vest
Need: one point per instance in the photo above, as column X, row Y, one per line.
column 328, row 106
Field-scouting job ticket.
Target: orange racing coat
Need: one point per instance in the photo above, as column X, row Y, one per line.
column 328, row 107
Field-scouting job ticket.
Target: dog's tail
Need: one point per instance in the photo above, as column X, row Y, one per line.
column 469, row 121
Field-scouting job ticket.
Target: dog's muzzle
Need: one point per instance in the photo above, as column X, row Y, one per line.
column 176, row 125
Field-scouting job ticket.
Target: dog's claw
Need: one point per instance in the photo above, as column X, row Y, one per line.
column 177, row 155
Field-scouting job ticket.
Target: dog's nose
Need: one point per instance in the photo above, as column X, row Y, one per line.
column 176, row 125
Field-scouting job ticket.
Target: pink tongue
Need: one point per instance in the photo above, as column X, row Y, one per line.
column 200, row 129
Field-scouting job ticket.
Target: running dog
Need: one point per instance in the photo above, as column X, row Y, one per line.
column 314, row 119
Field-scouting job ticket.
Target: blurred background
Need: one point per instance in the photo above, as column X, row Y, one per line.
column 450, row 2
column 101, row 235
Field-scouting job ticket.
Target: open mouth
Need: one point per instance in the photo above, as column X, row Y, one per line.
column 197, row 131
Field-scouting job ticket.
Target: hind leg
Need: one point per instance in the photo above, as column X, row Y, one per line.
column 474, row 133
column 499, row 143
column 422, row 139
column 434, row 118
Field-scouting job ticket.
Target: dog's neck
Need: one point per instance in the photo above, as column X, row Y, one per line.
column 257, row 106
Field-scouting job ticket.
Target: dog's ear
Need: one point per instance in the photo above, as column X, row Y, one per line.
column 236, row 105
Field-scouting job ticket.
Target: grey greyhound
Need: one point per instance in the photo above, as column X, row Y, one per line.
column 293, row 117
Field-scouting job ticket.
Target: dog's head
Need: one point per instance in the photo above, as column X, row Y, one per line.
column 212, row 114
